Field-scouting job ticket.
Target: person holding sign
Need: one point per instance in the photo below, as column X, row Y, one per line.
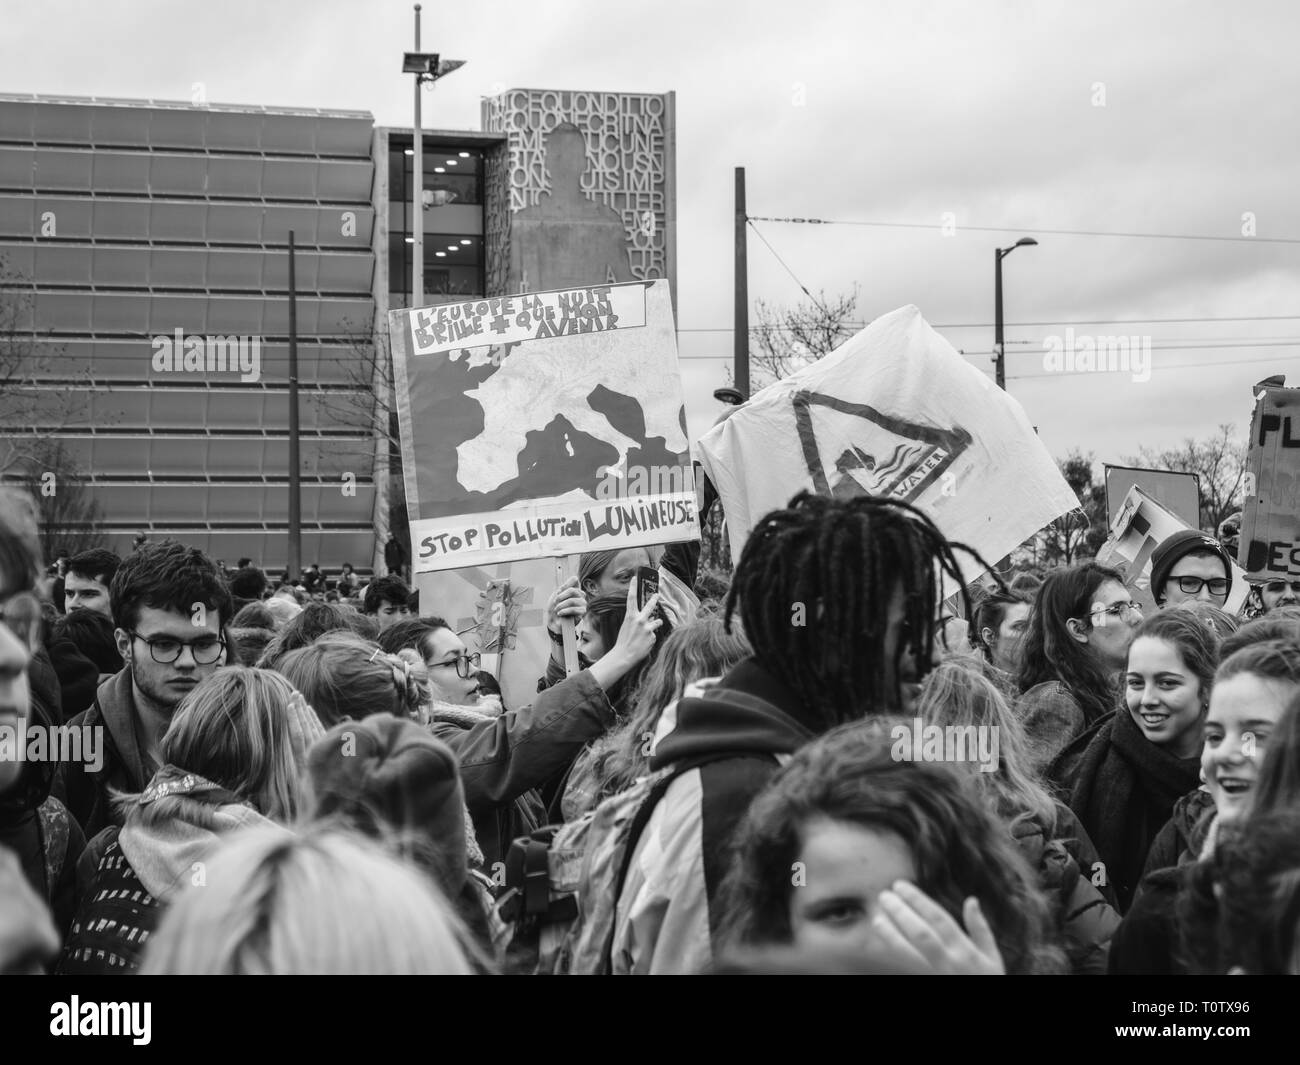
column 505, row 757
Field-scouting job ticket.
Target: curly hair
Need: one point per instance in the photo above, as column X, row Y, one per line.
column 167, row 575
column 1050, row 652
column 813, row 587
column 958, row 847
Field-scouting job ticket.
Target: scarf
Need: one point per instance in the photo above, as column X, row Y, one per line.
column 1119, row 774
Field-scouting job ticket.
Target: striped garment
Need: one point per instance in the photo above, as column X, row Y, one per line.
column 114, row 921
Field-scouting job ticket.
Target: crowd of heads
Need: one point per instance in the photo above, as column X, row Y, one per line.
column 304, row 742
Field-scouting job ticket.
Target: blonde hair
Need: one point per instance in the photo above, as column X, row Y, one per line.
column 959, row 692
column 325, row 903
column 245, row 729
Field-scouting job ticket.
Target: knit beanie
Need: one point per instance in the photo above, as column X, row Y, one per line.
column 388, row 775
column 1182, row 543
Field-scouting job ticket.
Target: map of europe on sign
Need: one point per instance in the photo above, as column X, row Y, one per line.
column 542, row 424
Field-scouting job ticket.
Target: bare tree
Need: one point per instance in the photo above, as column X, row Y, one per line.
column 1220, row 463
column 68, row 513
column 787, row 339
column 31, row 409
column 1078, row 534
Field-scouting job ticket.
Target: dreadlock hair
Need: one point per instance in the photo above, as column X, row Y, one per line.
column 813, row 588
column 1049, row 652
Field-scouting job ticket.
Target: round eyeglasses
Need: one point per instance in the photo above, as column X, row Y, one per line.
column 466, row 665
column 166, row 649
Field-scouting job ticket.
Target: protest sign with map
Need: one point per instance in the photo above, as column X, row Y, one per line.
column 542, row 424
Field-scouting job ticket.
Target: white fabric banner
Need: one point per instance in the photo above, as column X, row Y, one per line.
column 896, row 412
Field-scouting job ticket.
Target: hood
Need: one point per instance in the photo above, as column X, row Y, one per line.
column 165, row 852
column 746, row 711
column 116, row 701
column 387, row 773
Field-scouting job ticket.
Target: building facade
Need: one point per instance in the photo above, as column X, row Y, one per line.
column 144, row 349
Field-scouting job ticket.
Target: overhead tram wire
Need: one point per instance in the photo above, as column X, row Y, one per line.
column 1031, row 230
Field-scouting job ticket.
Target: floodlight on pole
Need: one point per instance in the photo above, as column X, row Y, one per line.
column 427, row 67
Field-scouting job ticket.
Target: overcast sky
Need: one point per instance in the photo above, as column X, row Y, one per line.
column 1153, row 118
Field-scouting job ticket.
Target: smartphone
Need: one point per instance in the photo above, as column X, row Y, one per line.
column 647, row 584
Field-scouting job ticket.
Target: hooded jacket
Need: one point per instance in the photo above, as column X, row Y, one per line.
column 144, row 864
column 667, row 921
column 1123, row 788
column 125, row 766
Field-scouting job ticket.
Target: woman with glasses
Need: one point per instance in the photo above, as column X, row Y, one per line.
column 1078, row 638
column 507, row 756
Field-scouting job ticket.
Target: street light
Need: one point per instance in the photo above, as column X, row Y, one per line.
column 728, row 395
column 998, row 255
column 426, row 66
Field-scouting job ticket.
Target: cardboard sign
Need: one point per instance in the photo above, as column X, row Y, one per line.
column 1138, row 529
column 1270, row 527
column 542, row 424
column 1179, row 493
column 893, row 412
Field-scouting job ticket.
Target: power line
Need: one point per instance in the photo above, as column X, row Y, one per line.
column 1025, row 325
column 787, row 268
column 1032, row 230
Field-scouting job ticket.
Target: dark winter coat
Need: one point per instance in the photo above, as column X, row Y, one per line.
column 1122, row 787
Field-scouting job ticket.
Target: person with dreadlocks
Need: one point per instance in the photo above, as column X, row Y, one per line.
column 838, row 599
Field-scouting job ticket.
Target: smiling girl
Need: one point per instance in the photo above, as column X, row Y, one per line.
column 1124, row 776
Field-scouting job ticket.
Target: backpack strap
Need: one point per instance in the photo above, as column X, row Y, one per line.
column 642, row 818
column 528, row 871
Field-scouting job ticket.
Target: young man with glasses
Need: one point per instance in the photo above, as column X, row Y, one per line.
column 1190, row 565
column 170, row 604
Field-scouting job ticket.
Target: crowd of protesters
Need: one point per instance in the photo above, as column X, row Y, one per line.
column 320, row 777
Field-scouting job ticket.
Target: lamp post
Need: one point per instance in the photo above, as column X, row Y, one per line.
column 426, row 66
column 998, row 255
